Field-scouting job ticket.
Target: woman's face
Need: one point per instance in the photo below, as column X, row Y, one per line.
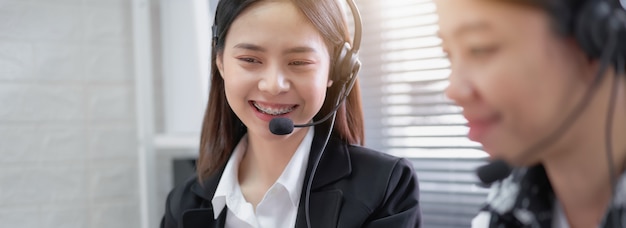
column 515, row 79
column 275, row 63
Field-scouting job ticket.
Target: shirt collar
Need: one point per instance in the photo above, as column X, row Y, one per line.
column 229, row 182
column 292, row 177
column 619, row 200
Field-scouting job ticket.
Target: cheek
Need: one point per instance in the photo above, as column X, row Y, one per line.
column 320, row 83
column 531, row 95
column 314, row 91
column 235, row 86
column 508, row 85
column 232, row 94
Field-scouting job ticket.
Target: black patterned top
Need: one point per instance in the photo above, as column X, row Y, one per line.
column 526, row 199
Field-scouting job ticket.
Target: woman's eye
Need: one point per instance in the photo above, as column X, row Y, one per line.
column 249, row 60
column 483, row 51
column 299, row 63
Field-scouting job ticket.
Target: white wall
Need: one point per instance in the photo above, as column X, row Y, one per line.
column 184, row 26
column 68, row 148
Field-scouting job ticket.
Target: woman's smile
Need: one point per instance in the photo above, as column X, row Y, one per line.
column 267, row 111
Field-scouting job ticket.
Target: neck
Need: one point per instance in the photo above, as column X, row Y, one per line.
column 267, row 156
column 579, row 172
column 581, row 184
column 264, row 161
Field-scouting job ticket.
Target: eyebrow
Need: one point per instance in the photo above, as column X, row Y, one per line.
column 299, row 50
column 257, row 48
column 468, row 28
column 250, row 47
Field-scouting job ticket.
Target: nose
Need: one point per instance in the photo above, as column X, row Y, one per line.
column 460, row 89
column 274, row 82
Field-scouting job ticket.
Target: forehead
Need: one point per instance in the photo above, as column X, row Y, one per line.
column 275, row 21
column 459, row 18
column 266, row 10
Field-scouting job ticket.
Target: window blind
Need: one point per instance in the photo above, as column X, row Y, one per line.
column 403, row 78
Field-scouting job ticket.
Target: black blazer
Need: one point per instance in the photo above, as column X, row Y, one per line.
column 353, row 187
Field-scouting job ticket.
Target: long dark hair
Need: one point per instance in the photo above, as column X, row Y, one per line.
column 561, row 12
column 222, row 129
column 566, row 17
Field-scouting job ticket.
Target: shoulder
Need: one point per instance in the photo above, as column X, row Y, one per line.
column 364, row 159
column 183, row 197
column 392, row 194
column 180, row 198
column 381, row 172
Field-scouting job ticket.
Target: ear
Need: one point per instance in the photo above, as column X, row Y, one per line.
column 220, row 64
column 330, row 83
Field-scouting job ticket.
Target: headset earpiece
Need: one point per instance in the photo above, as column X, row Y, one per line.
column 347, row 64
column 595, row 23
column 591, row 29
column 214, row 34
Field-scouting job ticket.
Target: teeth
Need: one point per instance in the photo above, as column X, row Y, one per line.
column 273, row 111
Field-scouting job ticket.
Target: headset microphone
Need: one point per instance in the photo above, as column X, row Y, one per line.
column 494, row 171
column 281, row 126
column 284, row 126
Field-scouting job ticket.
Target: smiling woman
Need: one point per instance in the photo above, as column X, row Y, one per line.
column 282, row 58
column 286, row 56
column 542, row 87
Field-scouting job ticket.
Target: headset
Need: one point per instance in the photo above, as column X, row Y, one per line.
column 345, row 70
column 601, row 32
column 598, row 24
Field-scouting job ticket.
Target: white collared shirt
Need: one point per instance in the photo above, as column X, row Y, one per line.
column 279, row 206
column 559, row 220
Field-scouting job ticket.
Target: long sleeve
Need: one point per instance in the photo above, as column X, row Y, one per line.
column 400, row 207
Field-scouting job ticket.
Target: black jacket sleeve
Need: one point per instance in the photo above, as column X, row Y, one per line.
column 178, row 201
column 400, row 207
column 168, row 220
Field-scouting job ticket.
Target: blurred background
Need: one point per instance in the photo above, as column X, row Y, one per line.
column 101, row 104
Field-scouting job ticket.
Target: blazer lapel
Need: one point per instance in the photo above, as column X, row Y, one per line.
column 325, row 202
column 324, row 208
column 202, row 217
